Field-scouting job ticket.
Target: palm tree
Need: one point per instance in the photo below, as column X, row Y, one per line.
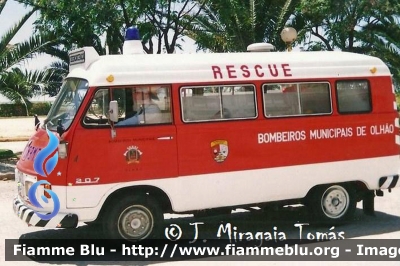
column 360, row 26
column 16, row 87
column 16, row 84
column 231, row 25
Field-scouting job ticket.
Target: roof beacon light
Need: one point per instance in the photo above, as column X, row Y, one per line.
column 132, row 44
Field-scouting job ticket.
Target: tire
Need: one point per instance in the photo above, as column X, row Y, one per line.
column 133, row 218
column 333, row 204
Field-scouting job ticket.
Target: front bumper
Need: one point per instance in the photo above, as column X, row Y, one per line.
column 28, row 215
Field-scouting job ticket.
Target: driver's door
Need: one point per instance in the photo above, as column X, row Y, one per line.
column 98, row 161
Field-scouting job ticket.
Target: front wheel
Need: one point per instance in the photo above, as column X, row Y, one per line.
column 134, row 219
column 333, row 204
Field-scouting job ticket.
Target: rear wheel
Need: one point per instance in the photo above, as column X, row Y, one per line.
column 133, row 219
column 333, row 204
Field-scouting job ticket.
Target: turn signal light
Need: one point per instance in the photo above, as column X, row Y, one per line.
column 62, row 149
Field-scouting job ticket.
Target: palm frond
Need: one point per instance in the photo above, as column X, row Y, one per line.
column 15, row 86
column 2, row 4
column 23, row 51
column 9, row 35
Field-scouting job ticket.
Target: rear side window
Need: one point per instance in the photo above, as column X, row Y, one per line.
column 354, row 96
column 212, row 103
column 295, row 99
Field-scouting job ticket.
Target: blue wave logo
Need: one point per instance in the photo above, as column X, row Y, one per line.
column 35, row 202
column 43, row 155
column 43, row 164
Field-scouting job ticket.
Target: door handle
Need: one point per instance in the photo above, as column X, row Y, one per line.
column 165, row 138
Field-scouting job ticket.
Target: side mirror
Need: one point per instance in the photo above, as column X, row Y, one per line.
column 60, row 128
column 113, row 112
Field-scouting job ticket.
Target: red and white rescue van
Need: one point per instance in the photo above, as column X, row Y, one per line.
column 209, row 131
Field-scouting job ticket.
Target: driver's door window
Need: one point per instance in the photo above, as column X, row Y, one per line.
column 97, row 113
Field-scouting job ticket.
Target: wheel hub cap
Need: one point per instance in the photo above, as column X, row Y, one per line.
column 335, row 202
column 135, row 223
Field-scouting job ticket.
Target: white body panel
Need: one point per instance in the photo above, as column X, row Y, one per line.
column 215, row 190
column 185, row 68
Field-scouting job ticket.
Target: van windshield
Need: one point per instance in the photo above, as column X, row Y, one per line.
column 67, row 103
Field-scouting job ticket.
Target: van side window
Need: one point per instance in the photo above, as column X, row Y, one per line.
column 143, row 105
column 293, row 99
column 213, row 103
column 353, row 96
column 98, row 109
column 137, row 105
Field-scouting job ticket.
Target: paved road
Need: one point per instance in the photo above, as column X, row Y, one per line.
column 14, row 135
column 15, row 146
column 15, row 132
column 17, row 127
column 386, row 225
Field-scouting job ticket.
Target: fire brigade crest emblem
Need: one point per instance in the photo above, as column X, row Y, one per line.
column 132, row 154
column 219, row 149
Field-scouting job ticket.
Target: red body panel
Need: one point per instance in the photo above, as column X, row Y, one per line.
column 179, row 149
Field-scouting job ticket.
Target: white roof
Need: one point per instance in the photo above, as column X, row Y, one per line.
column 235, row 67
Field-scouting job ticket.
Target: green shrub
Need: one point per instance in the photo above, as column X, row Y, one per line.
column 18, row 109
column 5, row 154
column 12, row 109
column 40, row 108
